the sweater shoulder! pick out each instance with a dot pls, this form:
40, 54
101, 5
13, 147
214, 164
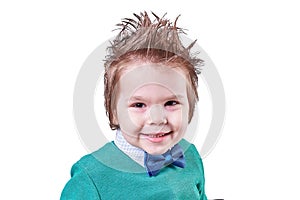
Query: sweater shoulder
108, 159
92, 161
189, 148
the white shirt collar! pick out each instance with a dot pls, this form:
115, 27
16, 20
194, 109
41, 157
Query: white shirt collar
133, 152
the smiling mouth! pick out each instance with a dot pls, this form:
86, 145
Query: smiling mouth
157, 135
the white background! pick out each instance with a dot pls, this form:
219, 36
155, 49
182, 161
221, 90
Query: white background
254, 45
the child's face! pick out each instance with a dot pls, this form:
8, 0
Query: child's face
152, 106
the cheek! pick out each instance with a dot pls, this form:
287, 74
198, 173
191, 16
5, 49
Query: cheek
175, 118
136, 118
129, 121
123, 116
178, 119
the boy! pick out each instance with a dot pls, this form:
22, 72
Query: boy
150, 94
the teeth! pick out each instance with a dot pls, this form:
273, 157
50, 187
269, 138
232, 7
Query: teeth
156, 136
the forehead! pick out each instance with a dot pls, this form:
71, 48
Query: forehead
136, 76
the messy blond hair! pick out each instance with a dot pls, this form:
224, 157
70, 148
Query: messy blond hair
153, 41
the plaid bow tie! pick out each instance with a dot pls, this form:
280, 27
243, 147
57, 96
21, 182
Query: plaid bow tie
154, 163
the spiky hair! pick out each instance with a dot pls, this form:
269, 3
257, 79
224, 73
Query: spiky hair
142, 33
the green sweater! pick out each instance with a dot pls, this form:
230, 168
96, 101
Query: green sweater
109, 174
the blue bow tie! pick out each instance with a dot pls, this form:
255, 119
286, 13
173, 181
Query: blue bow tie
154, 163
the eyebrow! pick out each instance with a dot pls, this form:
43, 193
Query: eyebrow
141, 98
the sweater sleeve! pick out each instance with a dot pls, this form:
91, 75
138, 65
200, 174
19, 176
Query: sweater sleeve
201, 190
80, 186
201, 184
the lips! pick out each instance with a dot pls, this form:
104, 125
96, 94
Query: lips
157, 135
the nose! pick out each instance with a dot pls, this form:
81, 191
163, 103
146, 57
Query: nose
156, 115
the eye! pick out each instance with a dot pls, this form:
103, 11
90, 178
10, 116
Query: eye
138, 105
171, 103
